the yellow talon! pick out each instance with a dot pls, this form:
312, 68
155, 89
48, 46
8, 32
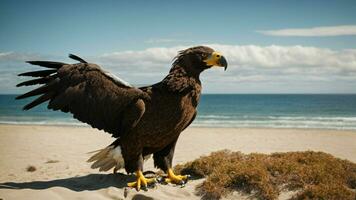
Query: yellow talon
176, 179
141, 180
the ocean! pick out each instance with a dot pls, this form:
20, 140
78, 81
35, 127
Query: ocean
320, 111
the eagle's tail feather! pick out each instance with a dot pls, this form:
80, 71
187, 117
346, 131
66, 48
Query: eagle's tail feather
108, 165
101, 162
99, 154
107, 158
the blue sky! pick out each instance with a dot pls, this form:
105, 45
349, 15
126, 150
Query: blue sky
272, 46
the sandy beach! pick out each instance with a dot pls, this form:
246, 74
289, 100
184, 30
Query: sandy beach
59, 156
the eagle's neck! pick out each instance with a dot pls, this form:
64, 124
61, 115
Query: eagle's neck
181, 81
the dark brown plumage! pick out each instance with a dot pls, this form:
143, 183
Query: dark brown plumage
145, 120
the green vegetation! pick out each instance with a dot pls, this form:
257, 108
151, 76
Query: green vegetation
314, 175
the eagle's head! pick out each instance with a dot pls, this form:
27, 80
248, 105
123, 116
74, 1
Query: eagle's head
197, 59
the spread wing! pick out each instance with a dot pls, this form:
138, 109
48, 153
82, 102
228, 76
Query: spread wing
92, 95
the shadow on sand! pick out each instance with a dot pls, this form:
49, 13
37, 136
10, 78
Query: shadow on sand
80, 183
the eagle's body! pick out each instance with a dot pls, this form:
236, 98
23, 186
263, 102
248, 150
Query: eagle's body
145, 120
167, 113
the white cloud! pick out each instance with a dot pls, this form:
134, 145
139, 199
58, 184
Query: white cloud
148, 56
13, 56
288, 56
250, 67
314, 31
246, 57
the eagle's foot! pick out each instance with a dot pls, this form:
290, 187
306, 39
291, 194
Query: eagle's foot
141, 181
176, 179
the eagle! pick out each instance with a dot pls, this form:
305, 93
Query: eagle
144, 120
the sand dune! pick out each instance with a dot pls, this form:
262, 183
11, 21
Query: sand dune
59, 154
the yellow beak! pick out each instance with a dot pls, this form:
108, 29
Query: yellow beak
216, 59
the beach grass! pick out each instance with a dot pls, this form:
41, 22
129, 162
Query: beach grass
312, 175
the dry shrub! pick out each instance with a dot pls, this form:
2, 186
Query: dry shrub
316, 175
206, 164
330, 191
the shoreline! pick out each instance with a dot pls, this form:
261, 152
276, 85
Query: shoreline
190, 127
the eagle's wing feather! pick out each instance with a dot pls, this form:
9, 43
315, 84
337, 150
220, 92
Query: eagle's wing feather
191, 121
90, 94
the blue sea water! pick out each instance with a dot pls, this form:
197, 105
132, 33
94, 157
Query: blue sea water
227, 110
